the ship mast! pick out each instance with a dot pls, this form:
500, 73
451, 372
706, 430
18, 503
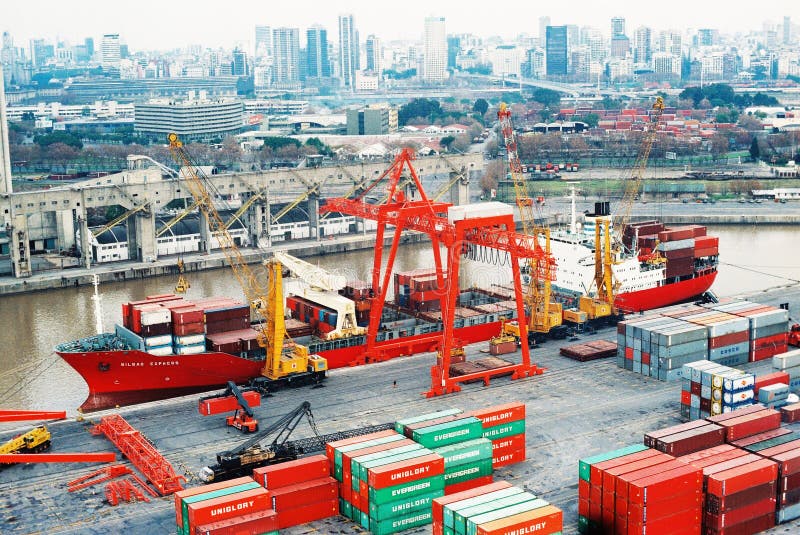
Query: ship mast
98, 305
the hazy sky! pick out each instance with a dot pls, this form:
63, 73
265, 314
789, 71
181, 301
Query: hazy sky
164, 24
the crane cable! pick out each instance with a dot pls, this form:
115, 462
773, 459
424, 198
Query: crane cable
760, 272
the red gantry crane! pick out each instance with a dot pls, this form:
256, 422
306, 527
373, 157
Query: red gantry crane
456, 228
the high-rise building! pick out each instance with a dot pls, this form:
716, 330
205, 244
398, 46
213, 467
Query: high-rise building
286, 49
348, 50
556, 50
110, 52
41, 51
593, 38
617, 27
89, 44
435, 44
239, 65
670, 42
620, 46
453, 49
5, 157
374, 54
707, 37
787, 30
544, 22
263, 42
317, 64
643, 45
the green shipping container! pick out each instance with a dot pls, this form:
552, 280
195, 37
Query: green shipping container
585, 464
406, 490
404, 507
460, 517
363, 468
504, 430
400, 425
777, 441
450, 509
401, 523
364, 519
449, 432
474, 521
337, 453
184, 530
465, 472
345, 508
355, 461
465, 452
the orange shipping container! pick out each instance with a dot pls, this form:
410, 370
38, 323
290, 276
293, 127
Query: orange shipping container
297, 471
387, 475
499, 414
330, 446
543, 521
224, 507
261, 522
439, 503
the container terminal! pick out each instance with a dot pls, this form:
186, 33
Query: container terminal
574, 410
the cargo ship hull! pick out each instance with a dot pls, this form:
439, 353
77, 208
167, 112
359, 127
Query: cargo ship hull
127, 377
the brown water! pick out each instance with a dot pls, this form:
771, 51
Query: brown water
33, 377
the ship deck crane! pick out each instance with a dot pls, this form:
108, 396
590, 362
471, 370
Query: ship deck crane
254, 454
545, 316
452, 227
286, 363
322, 290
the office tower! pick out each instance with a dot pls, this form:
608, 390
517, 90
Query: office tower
110, 51
317, 64
617, 26
239, 66
643, 45
263, 42
556, 50
435, 45
286, 49
374, 54
348, 50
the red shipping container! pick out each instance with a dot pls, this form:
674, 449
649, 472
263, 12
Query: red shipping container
583, 507
188, 314
224, 507
756, 407
194, 491
782, 448
737, 516
788, 462
751, 424
728, 339
688, 520
512, 443
706, 241
499, 414
722, 504
612, 475
742, 477
330, 446
713, 460
469, 484
692, 440
776, 340
543, 521
652, 437
307, 513
405, 471
747, 527
665, 484
641, 514
212, 406
507, 458
583, 489
709, 452
760, 437
262, 522
188, 328
305, 493
597, 470
686, 398
288, 473
439, 503
790, 413
617, 498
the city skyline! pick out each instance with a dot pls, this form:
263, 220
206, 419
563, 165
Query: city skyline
160, 26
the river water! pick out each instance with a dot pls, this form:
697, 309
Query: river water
752, 259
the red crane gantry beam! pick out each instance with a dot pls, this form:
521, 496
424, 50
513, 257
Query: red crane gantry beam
141, 453
21, 416
496, 232
100, 457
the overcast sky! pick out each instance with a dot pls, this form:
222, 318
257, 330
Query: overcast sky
164, 24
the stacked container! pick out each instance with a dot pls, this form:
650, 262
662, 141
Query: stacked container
768, 327
361, 294
787, 457
504, 425
728, 336
216, 507
643, 233
417, 290
321, 318
708, 389
300, 491
495, 509
789, 363
774, 396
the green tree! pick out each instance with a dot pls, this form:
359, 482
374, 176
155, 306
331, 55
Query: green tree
591, 119
481, 106
429, 109
446, 141
28, 116
547, 97
319, 146
45, 140
755, 151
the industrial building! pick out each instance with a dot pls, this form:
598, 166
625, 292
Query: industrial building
376, 119
200, 119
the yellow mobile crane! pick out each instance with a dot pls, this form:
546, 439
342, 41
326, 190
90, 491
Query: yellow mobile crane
285, 361
34, 441
545, 316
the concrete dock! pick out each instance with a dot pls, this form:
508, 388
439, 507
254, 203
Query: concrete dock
573, 410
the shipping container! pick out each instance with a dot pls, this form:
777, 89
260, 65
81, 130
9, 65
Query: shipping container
307, 513
290, 472
204, 489
262, 523
224, 507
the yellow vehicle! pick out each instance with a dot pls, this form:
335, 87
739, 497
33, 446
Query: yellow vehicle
34, 441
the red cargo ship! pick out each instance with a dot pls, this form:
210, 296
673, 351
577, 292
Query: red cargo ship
211, 342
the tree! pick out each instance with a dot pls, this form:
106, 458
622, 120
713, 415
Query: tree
755, 151
419, 107
495, 171
320, 147
591, 119
28, 116
547, 97
480, 106
446, 141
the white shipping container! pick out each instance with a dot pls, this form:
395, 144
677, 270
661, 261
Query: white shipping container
190, 339
162, 351
156, 341
153, 317
787, 360
675, 245
190, 350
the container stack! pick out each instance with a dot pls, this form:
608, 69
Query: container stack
220, 507
708, 389
677, 245
789, 363
300, 491
596, 349
639, 490
643, 235
728, 336
417, 290
361, 294
504, 425
494, 509
188, 328
321, 318
768, 327
392, 480
787, 457
774, 396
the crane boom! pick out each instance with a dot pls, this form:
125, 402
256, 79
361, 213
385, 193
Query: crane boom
313, 275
